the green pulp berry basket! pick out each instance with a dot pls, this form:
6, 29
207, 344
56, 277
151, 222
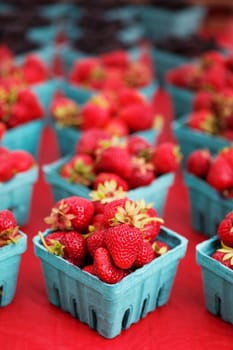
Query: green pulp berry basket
217, 280
10, 257
16, 194
208, 207
155, 193
111, 308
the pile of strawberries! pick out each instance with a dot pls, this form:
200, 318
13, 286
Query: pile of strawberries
108, 241
13, 162
130, 163
9, 230
224, 254
112, 71
119, 112
216, 170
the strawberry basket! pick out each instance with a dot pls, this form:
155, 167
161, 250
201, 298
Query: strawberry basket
217, 280
156, 192
208, 207
107, 308
16, 194
10, 256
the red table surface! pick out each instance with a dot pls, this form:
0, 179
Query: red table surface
31, 322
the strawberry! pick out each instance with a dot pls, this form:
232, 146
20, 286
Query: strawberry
105, 269
103, 176
90, 139
117, 127
198, 162
224, 257
151, 228
115, 159
2, 130
94, 116
166, 158
65, 111
160, 247
89, 268
137, 75
22, 160
88, 72
110, 210
145, 255
220, 175
214, 78
137, 116
140, 147
34, 69
202, 100
225, 230
123, 243
71, 213
129, 96
8, 227
118, 58
75, 249
79, 169
54, 236
6, 166
142, 173
203, 120
95, 240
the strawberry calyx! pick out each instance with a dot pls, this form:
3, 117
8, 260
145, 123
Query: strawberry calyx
9, 235
60, 217
228, 252
55, 246
158, 249
81, 173
107, 192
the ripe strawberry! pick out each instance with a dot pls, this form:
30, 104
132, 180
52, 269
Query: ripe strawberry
166, 158
203, 120
145, 255
214, 78
129, 96
137, 116
71, 213
115, 159
87, 71
110, 210
94, 116
225, 230
105, 269
151, 229
225, 258
8, 227
6, 166
118, 58
22, 160
123, 243
2, 130
117, 127
142, 173
198, 162
75, 249
138, 75
220, 175
95, 240
52, 242
202, 100
89, 268
140, 147
104, 176
65, 111
160, 247
34, 69
54, 236
90, 139
79, 169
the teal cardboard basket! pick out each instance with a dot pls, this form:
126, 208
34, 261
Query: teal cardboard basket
111, 308
208, 207
182, 99
160, 22
10, 257
155, 193
217, 280
190, 139
16, 194
26, 137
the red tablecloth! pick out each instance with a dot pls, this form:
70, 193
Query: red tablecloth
30, 322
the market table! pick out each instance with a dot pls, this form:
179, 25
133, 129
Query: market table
31, 322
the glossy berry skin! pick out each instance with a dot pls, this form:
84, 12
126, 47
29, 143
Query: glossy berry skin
7, 220
105, 269
75, 249
198, 162
166, 158
220, 174
123, 243
225, 230
95, 240
145, 255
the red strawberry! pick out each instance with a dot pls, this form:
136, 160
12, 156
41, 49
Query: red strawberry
6, 166
151, 229
137, 116
31, 101
145, 255
138, 75
79, 169
54, 236
65, 111
202, 100
142, 173
105, 269
34, 69
115, 159
214, 78
198, 162
22, 160
220, 175
75, 249
225, 258
123, 243
95, 240
87, 71
117, 127
94, 116
225, 230
166, 158
138, 146
89, 268
90, 140
203, 120
103, 176
8, 227
2, 130
128, 96
118, 58
111, 208
71, 213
